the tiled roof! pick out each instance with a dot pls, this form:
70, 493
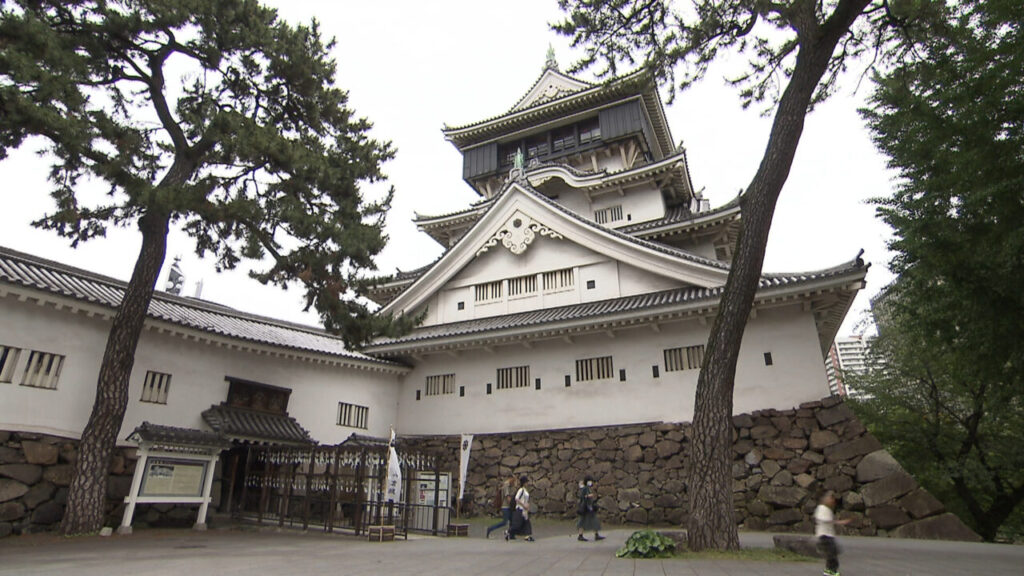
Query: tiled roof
595, 310
254, 425
476, 207
639, 241
402, 280
158, 434
34, 272
624, 86
519, 102
679, 215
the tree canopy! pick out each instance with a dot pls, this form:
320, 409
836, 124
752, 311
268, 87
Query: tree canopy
949, 400
215, 114
796, 52
215, 117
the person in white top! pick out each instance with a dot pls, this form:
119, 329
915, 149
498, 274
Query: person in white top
521, 516
824, 529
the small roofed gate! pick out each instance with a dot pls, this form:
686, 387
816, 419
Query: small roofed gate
334, 487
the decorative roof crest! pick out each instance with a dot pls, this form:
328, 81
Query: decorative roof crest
550, 63
518, 233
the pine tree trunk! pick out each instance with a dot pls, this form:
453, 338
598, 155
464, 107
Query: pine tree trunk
87, 494
711, 524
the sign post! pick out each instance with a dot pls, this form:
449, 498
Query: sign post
175, 467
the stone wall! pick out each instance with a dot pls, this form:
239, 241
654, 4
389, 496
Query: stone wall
35, 471
783, 461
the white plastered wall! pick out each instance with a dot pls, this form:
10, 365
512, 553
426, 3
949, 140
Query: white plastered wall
610, 279
796, 375
197, 370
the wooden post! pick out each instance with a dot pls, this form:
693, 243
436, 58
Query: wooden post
331, 482
310, 468
207, 488
437, 497
231, 484
129, 510
245, 477
264, 488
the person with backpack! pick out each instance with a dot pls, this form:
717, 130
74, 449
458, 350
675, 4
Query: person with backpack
520, 524
586, 510
505, 502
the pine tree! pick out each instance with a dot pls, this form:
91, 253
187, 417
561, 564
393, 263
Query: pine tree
215, 117
796, 51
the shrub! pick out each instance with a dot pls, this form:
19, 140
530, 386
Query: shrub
647, 544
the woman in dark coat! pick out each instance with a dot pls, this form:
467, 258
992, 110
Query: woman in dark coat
586, 509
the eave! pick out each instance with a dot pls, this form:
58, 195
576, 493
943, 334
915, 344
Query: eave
832, 291
637, 83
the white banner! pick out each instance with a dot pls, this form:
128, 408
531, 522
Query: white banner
467, 445
394, 487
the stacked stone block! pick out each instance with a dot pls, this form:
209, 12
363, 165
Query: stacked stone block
35, 472
783, 461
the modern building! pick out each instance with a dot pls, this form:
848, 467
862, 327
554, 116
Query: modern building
846, 356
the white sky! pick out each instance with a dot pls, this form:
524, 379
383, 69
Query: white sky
411, 67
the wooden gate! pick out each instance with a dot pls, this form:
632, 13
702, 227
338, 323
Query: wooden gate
333, 487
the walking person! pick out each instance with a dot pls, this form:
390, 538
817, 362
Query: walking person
586, 510
506, 491
824, 529
521, 515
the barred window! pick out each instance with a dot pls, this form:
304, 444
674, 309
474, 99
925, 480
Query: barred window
522, 285
42, 370
8, 359
610, 214
155, 387
440, 384
688, 358
590, 131
352, 415
594, 368
488, 292
559, 280
513, 377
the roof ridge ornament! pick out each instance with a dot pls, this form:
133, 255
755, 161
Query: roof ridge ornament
550, 63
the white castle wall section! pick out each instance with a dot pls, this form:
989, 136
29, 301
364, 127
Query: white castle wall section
610, 279
639, 204
197, 370
787, 333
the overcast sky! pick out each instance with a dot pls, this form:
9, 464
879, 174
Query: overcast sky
412, 67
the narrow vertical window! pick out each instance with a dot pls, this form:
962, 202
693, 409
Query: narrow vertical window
155, 387
688, 358
599, 368
489, 292
8, 359
353, 416
440, 384
513, 377
42, 370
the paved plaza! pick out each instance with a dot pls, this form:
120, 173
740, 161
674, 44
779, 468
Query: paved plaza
269, 552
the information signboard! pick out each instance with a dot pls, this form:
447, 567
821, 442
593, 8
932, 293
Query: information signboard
167, 477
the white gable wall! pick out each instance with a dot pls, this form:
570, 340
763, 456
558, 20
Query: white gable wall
788, 333
197, 372
611, 279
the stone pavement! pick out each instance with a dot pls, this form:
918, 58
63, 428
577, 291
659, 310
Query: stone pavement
268, 552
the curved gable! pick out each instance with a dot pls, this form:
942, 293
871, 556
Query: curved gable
521, 215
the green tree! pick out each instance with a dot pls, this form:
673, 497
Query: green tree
250, 148
949, 404
796, 51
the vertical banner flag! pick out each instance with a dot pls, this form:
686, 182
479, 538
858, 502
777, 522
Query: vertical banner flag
467, 445
394, 490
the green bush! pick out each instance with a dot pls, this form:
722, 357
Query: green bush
647, 544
